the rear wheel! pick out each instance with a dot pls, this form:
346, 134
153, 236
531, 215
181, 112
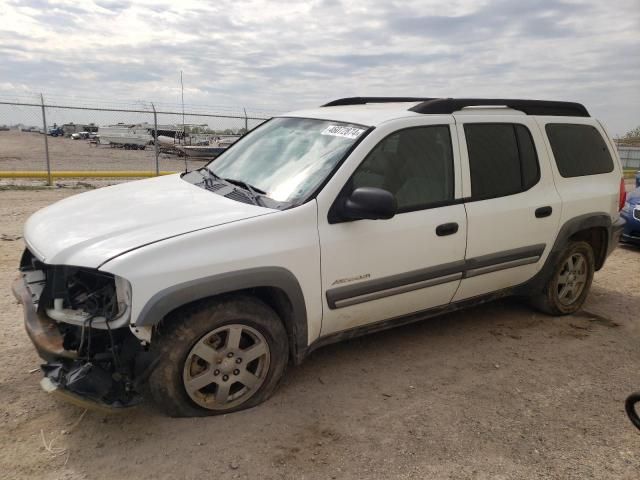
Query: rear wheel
218, 357
568, 287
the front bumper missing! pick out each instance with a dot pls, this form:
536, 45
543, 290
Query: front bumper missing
87, 385
68, 396
76, 381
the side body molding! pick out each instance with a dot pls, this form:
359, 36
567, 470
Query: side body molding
181, 294
406, 282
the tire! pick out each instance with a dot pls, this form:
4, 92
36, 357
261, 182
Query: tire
567, 289
198, 369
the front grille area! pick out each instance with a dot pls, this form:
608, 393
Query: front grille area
636, 214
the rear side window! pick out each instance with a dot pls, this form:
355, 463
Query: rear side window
502, 159
579, 150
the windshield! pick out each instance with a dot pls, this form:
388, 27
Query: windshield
287, 158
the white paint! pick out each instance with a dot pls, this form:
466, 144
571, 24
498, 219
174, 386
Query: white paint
88, 229
159, 232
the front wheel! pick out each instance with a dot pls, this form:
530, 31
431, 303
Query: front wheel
218, 357
568, 287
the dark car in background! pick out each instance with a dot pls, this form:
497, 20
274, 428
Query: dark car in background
631, 213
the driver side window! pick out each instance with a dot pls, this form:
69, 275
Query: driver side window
414, 164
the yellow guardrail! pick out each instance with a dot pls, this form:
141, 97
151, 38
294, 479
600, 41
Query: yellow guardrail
82, 174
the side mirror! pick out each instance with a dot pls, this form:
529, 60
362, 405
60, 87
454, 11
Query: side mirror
369, 203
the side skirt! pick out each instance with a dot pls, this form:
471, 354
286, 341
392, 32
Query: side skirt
402, 320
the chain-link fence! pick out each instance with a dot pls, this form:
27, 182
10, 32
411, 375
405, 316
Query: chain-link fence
50, 138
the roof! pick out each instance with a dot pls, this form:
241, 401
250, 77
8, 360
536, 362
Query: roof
369, 114
376, 110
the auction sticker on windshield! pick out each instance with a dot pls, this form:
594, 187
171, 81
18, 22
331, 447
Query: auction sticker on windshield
340, 131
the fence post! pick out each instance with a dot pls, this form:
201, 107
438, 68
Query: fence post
155, 138
46, 141
246, 121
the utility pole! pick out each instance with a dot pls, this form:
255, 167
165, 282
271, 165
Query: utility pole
46, 142
155, 138
184, 132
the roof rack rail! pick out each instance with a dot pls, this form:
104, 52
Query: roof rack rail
450, 105
530, 107
365, 100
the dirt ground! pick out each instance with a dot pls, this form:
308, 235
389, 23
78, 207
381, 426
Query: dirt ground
25, 151
497, 391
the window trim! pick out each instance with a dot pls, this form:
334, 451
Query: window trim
593, 127
479, 198
332, 216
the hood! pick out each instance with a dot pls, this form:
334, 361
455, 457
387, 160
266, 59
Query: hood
90, 228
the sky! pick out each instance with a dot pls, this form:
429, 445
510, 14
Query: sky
278, 56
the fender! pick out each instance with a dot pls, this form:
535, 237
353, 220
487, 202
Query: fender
181, 294
576, 224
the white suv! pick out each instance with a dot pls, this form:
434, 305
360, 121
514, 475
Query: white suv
199, 288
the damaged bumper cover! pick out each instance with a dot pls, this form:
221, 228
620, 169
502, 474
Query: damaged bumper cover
80, 381
87, 385
42, 331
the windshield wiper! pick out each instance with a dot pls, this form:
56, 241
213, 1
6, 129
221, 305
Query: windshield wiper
216, 177
248, 187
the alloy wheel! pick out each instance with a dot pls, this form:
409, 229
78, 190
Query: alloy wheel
226, 366
572, 279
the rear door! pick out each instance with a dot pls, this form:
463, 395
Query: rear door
512, 205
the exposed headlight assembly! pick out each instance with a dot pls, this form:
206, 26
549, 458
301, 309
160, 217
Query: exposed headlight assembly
81, 296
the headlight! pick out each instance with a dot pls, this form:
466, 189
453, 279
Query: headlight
123, 292
79, 295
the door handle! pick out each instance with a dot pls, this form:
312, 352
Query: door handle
543, 212
446, 229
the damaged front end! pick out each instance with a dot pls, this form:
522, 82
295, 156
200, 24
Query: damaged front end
78, 320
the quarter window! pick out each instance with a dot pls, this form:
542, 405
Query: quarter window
579, 150
502, 159
415, 164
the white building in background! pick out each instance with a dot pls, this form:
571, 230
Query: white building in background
629, 155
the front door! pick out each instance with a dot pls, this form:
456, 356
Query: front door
374, 270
